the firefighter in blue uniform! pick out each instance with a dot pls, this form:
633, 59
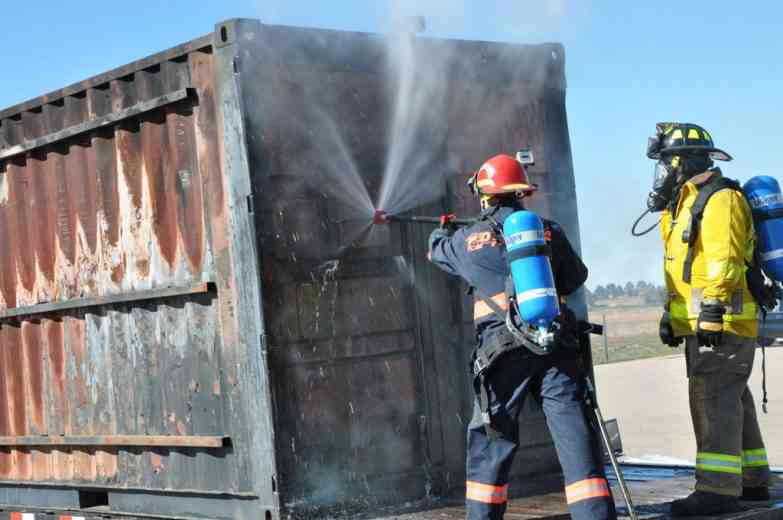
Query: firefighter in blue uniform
477, 254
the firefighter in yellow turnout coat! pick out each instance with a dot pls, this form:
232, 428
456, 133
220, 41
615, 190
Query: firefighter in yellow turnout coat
710, 306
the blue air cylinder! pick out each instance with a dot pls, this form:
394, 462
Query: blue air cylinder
763, 193
531, 269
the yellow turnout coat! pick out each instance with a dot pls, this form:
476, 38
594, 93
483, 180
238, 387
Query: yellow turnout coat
722, 251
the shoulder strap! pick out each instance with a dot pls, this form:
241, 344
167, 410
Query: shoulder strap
497, 229
499, 312
697, 212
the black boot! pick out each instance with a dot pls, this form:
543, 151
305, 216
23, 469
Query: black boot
755, 493
701, 503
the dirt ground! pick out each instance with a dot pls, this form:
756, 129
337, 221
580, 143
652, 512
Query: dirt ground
631, 333
628, 321
649, 398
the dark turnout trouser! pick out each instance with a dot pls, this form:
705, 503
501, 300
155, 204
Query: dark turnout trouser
730, 449
558, 382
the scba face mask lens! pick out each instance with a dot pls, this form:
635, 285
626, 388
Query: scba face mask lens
663, 186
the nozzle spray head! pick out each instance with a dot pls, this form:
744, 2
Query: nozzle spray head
380, 217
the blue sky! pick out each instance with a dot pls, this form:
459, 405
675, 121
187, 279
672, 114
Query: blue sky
629, 65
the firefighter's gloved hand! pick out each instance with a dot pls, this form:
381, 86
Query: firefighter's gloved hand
438, 234
666, 332
567, 319
709, 328
447, 223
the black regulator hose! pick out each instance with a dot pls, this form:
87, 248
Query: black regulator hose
635, 224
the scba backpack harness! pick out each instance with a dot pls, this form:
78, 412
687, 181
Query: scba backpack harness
766, 293
517, 334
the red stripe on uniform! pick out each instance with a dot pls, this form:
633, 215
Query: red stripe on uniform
587, 489
486, 493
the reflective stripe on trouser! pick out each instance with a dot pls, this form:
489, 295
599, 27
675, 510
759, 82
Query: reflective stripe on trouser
486, 493
587, 489
730, 449
489, 460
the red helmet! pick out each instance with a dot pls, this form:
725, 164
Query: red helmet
501, 174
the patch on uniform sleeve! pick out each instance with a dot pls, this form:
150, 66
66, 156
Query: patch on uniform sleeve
476, 241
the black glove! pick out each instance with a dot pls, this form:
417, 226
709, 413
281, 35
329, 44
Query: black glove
567, 319
666, 332
709, 328
569, 333
446, 229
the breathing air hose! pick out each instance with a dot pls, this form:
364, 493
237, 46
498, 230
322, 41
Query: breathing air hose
635, 224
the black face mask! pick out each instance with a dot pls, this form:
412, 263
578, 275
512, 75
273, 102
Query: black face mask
664, 182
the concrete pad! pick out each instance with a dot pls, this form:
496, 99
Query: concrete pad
649, 398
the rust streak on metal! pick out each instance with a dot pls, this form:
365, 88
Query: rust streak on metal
128, 145
15, 396
15, 371
159, 441
5, 421
32, 122
78, 196
157, 462
43, 213
8, 251
88, 198
128, 148
66, 217
34, 379
54, 329
157, 167
19, 198
160, 170
107, 464
40, 465
106, 165
79, 392
78, 373
60, 407
206, 134
33, 361
78, 181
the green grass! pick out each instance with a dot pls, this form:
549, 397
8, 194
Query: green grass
629, 347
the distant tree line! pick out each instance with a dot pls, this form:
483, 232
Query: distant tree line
651, 294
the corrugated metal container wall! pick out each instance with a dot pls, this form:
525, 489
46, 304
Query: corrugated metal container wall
123, 376
138, 311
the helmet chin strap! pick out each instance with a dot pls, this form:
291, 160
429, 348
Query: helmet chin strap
490, 201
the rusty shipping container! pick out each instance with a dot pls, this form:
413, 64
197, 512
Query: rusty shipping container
189, 327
